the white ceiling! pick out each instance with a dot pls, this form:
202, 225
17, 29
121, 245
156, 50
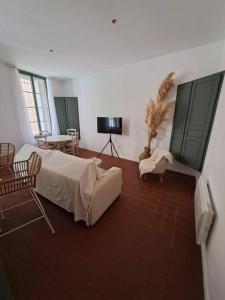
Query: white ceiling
85, 41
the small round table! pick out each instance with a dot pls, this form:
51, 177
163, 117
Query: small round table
58, 140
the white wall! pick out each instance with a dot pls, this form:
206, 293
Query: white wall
68, 88
124, 92
63, 88
57, 87
214, 172
52, 86
9, 123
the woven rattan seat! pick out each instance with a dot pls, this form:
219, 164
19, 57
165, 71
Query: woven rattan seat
7, 152
16, 176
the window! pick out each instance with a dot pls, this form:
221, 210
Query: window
35, 92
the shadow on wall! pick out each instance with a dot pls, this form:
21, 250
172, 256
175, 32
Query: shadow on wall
162, 131
160, 136
126, 124
125, 132
181, 78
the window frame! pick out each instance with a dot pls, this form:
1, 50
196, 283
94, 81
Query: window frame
32, 76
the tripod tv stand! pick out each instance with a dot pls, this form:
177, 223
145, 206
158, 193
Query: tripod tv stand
112, 146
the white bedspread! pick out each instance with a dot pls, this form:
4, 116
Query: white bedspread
76, 185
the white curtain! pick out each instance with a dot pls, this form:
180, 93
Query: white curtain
55, 125
42, 101
25, 127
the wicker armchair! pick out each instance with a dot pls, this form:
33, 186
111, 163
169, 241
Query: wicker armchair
18, 176
7, 152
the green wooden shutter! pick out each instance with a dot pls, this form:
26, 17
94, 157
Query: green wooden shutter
61, 114
72, 113
203, 101
180, 117
67, 113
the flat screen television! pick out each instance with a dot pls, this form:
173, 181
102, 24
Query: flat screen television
109, 125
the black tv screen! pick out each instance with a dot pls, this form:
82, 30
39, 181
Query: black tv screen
109, 125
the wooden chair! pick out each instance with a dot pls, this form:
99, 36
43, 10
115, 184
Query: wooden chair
18, 176
73, 146
42, 142
7, 153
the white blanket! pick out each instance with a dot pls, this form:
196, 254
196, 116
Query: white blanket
76, 185
148, 165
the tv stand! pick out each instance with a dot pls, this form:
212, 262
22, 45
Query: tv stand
112, 146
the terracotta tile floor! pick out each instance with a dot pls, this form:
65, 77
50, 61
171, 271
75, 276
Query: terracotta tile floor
143, 247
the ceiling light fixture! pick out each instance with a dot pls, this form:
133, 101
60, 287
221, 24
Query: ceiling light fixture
114, 21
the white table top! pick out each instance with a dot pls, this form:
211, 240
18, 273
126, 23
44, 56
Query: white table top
59, 138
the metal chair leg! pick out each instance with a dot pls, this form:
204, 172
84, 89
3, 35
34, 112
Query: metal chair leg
2, 217
38, 202
144, 177
1, 212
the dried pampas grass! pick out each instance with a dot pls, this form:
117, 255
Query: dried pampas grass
157, 111
165, 87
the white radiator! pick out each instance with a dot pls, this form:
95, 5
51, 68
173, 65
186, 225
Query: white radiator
203, 211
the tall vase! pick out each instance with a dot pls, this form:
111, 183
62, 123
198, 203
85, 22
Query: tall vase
145, 154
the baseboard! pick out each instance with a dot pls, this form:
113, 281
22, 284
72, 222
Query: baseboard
205, 273
181, 168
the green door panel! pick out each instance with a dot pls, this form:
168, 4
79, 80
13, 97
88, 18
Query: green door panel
203, 101
61, 114
191, 153
179, 120
72, 113
67, 113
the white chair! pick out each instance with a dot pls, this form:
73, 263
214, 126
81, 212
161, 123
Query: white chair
73, 146
156, 164
42, 142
